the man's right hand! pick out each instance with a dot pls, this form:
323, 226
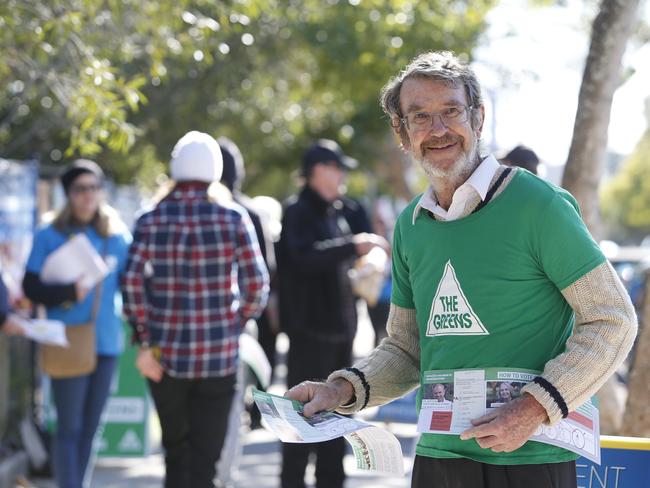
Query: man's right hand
148, 365
318, 396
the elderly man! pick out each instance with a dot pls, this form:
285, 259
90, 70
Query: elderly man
492, 267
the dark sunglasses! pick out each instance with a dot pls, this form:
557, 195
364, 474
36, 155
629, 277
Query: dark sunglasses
79, 189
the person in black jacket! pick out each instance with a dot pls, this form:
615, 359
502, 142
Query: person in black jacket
233, 178
317, 307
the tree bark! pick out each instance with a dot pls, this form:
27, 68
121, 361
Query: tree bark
636, 421
610, 32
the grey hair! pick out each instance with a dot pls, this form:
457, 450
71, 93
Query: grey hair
434, 65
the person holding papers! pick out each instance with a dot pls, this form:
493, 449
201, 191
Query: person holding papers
493, 268
80, 400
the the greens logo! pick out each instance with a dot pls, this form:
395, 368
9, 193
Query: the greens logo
451, 313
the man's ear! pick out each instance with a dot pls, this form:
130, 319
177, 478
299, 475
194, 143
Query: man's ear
480, 119
400, 131
403, 138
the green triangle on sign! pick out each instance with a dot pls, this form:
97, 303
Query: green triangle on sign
451, 313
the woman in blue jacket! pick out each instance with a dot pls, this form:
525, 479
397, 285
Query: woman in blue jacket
80, 400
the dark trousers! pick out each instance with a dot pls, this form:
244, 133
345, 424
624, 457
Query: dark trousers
193, 416
310, 359
465, 473
267, 337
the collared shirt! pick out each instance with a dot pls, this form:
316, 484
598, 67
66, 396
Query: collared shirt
206, 278
477, 183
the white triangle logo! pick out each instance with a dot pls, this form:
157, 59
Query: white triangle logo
130, 442
451, 313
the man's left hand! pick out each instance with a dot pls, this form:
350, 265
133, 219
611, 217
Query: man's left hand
508, 427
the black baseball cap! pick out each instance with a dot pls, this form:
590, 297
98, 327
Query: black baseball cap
324, 150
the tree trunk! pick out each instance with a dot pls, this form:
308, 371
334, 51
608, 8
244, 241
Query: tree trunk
610, 32
636, 421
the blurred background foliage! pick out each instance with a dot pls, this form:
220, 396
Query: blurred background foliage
625, 198
121, 80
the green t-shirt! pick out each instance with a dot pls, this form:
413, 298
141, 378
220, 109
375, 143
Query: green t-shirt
494, 280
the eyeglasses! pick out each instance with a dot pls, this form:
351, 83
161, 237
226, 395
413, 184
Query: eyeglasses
79, 189
418, 121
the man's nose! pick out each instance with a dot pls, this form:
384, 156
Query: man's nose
437, 124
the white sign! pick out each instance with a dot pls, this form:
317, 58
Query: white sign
126, 410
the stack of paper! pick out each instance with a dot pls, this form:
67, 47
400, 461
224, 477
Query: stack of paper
75, 260
44, 331
374, 449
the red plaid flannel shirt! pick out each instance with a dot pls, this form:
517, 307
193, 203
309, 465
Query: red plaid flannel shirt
194, 275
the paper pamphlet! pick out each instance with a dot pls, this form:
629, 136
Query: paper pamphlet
374, 449
450, 399
44, 331
75, 259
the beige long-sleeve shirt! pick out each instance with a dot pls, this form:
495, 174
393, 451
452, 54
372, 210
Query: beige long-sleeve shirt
604, 331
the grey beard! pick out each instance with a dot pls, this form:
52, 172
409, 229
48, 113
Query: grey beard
454, 172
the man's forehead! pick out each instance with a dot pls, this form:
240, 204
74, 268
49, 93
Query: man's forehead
420, 93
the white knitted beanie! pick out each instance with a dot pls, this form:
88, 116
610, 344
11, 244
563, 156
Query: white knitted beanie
196, 157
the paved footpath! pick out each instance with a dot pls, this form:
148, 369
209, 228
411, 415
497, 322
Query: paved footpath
259, 467
260, 463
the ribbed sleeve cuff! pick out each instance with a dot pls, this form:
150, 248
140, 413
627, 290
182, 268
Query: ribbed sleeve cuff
360, 396
547, 400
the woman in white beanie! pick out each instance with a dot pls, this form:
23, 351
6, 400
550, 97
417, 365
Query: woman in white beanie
204, 278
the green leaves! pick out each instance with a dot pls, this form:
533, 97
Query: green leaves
124, 77
625, 200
